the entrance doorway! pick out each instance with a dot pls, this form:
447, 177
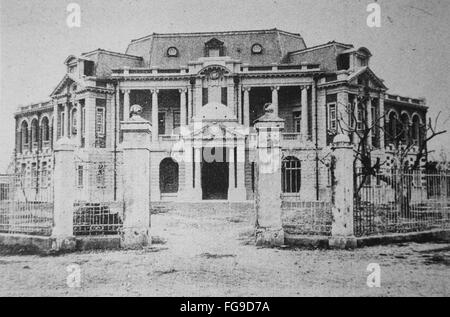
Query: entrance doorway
215, 176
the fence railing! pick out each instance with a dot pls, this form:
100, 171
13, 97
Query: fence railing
26, 205
395, 201
98, 206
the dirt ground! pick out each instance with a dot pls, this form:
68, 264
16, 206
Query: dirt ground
212, 254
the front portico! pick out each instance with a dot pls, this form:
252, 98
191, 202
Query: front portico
214, 158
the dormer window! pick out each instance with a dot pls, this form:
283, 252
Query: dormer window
172, 52
257, 49
214, 48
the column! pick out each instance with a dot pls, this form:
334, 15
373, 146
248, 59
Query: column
64, 183
117, 116
189, 104
239, 104
198, 172
79, 124
136, 177
66, 120
275, 99
183, 107
314, 112
231, 171
198, 104
55, 121
381, 123
240, 174
246, 118
304, 118
230, 95
369, 122
126, 105
155, 119
342, 235
89, 138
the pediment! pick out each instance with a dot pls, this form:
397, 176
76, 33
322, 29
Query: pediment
365, 76
217, 131
66, 85
214, 43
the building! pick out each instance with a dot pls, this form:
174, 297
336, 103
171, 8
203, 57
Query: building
202, 93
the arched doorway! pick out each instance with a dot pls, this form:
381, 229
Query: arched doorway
168, 176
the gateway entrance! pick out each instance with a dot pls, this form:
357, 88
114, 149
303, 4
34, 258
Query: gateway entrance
215, 174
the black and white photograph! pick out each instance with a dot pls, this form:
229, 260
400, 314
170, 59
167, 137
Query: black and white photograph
223, 154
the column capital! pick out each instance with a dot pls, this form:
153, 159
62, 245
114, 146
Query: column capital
305, 87
246, 88
275, 88
183, 90
125, 91
154, 91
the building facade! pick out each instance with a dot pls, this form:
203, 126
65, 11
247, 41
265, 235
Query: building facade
202, 93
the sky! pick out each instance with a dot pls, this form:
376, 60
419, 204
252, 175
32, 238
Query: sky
411, 49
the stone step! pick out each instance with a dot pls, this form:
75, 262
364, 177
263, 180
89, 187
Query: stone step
205, 207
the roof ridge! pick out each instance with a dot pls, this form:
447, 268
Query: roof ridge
320, 46
212, 33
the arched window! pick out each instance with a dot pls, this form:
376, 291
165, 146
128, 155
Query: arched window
391, 134
34, 131
45, 126
404, 124
415, 133
24, 133
291, 175
168, 176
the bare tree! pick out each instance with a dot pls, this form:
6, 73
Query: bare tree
353, 122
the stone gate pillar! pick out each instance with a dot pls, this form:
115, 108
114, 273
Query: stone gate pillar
136, 177
63, 200
269, 231
342, 235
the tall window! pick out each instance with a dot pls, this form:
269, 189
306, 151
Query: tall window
80, 176
376, 128
224, 95
297, 121
359, 117
415, 133
24, 133
332, 117
162, 123
73, 122
100, 121
61, 123
204, 96
45, 129
101, 175
176, 119
44, 175
34, 131
34, 180
291, 175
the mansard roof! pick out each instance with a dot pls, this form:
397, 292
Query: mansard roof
324, 54
276, 45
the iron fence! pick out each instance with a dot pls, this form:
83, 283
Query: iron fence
394, 201
26, 204
98, 206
